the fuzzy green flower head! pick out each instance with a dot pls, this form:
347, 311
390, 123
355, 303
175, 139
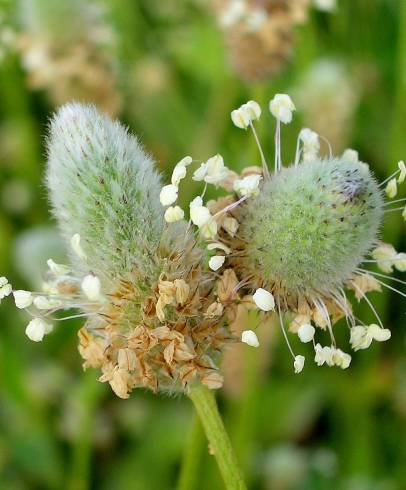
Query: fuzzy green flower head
312, 225
104, 187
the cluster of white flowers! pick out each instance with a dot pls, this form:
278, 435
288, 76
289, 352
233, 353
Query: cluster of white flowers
169, 193
212, 172
331, 356
281, 107
53, 297
244, 115
37, 328
363, 335
201, 217
248, 186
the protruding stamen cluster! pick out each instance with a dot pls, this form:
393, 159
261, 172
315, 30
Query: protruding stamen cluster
62, 290
304, 231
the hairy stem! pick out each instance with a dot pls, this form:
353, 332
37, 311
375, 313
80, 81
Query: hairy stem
206, 408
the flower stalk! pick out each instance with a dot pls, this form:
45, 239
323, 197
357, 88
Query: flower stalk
193, 449
206, 408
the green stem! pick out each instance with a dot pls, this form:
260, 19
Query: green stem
88, 394
191, 456
206, 407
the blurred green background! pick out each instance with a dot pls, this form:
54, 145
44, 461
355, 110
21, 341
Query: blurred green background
163, 68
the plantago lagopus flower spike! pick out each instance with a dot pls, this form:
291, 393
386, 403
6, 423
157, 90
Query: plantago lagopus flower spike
159, 286
104, 189
259, 34
69, 60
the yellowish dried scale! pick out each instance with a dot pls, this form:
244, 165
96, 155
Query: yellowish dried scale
179, 338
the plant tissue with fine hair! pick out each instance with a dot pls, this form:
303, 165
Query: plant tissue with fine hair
104, 187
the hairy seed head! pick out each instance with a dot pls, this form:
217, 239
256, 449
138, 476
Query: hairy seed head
312, 225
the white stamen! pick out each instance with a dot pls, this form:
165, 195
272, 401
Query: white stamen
44, 303
58, 269
306, 332
264, 300
298, 364
76, 247
282, 107
37, 329
212, 172
391, 188
311, 144
248, 186
216, 262
173, 214
250, 338
91, 287
402, 175
219, 246
23, 299
168, 194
